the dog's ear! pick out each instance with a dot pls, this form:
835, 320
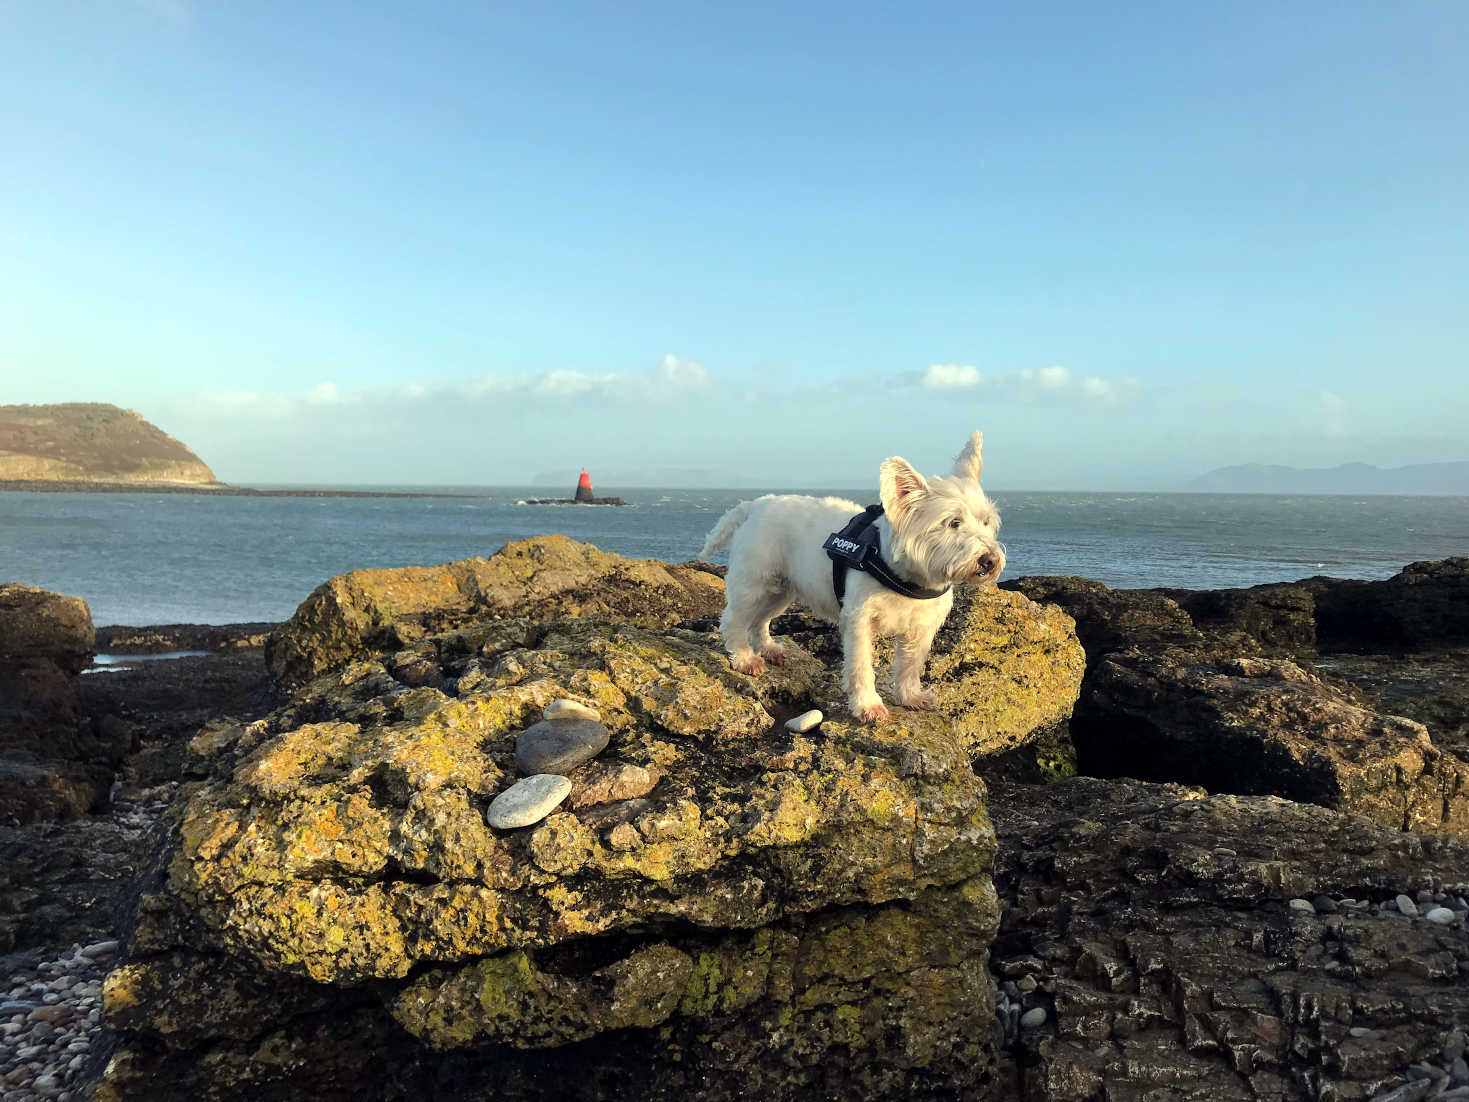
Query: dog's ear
899, 485
971, 459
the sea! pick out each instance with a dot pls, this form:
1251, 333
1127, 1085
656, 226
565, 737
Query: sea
145, 558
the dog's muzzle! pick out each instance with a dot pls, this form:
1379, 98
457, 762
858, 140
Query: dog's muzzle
988, 568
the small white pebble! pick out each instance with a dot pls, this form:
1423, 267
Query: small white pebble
805, 721
1442, 915
1302, 905
1406, 905
1035, 1016
571, 709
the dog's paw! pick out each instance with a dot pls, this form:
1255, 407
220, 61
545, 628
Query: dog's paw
776, 656
753, 665
871, 713
922, 699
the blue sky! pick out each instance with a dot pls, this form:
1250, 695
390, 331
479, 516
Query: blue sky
749, 244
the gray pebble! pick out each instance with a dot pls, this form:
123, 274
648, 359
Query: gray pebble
558, 745
1459, 1071
1303, 906
1406, 906
1442, 915
100, 949
528, 801
1035, 1016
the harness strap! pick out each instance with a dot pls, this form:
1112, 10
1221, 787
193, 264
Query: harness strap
858, 546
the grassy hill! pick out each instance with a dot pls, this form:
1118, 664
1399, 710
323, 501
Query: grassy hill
92, 442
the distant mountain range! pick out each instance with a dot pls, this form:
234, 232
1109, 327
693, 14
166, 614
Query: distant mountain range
92, 442
1349, 478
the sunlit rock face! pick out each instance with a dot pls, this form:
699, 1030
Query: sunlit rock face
720, 908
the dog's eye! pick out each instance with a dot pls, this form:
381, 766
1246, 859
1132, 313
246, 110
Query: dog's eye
954, 523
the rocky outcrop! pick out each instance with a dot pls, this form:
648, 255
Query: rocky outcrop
1187, 946
372, 610
1424, 607
767, 914
1178, 689
1260, 726
54, 759
92, 442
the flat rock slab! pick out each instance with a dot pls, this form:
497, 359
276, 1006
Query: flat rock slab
558, 745
528, 801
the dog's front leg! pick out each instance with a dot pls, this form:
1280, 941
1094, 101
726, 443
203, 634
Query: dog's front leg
911, 654
857, 675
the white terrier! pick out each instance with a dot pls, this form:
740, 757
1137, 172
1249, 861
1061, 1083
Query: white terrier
933, 533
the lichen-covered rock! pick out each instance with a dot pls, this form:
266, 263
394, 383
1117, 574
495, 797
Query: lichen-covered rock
1152, 923
806, 912
367, 611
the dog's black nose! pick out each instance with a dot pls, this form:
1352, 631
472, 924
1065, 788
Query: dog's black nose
987, 563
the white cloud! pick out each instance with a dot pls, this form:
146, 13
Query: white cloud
1045, 378
324, 394
672, 377
1030, 384
951, 377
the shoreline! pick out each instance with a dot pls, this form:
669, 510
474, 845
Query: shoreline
209, 489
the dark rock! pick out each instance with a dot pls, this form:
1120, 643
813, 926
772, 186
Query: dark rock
1112, 619
1426, 606
558, 745
54, 762
1429, 686
1281, 617
1259, 726
163, 638
1159, 914
37, 625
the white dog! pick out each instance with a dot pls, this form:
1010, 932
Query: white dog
933, 533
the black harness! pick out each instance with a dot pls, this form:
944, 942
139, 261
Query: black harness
858, 546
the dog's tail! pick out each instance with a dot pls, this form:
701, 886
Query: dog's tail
724, 531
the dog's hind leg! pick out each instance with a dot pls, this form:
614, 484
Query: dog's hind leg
775, 602
745, 625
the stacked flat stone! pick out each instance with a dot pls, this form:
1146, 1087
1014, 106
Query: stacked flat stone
569, 735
